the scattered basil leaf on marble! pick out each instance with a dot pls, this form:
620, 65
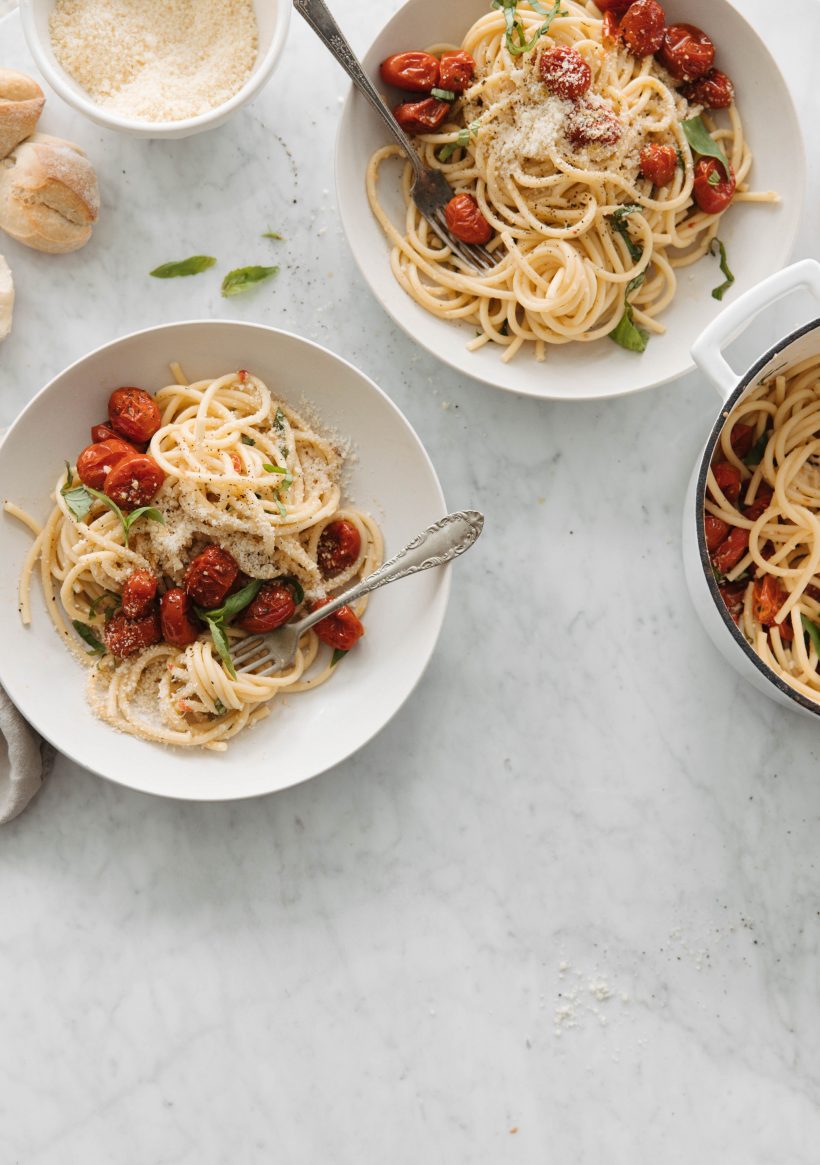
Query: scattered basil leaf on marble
337, 655
719, 292
87, 635
443, 94
755, 454
191, 266
241, 278
813, 632
702, 141
247, 440
269, 234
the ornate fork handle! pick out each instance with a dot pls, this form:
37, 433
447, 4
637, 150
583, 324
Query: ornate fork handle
321, 20
439, 543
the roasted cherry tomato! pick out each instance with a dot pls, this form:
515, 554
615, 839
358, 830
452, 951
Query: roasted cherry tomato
712, 190
421, 116
659, 163
341, 630
741, 439
104, 432
210, 575
96, 461
642, 27
124, 636
565, 72
465, 221
763, 499
733, 595
139, 593
731, 550
272, 607
619, 7
456, 71
715, 530
134, 481
686, 52
236, 462
339, 547
610, 30
728, 479
713, 90
590, 126
415, 72
768, 596
176, 614
133, 413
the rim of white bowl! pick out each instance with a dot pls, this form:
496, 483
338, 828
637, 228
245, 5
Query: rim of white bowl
59, 80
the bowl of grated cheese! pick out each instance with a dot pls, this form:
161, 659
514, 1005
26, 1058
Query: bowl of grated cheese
155, 70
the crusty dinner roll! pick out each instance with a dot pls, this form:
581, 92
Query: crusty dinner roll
49, 197
21, 103
6, 298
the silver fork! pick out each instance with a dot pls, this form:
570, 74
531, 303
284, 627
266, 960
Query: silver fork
431, 191
266, 654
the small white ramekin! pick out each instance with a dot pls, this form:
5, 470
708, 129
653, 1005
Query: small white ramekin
272, 17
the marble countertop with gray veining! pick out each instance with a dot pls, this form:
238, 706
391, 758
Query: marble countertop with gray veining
563, 909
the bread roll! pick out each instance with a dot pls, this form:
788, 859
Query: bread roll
6, 298
21, 103
49, 197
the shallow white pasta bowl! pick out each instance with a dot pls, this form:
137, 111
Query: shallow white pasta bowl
707, 353
391, 477
759, 239
272, 19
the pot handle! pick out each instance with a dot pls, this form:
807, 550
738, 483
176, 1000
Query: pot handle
707, 350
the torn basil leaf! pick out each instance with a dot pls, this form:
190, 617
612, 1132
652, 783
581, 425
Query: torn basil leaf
223, 647
78, 500
755, 454
702, 142
337, 655
247, 440
87, 635
514, 35
232, 605
269, 234
719, 292
191, 266
618, 222
627, 333
241, 278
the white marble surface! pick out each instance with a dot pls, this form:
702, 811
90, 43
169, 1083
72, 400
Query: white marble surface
563, 909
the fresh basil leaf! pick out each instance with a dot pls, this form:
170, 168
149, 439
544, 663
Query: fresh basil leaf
298, 590
276, 469
219, 707
755, 454
150, 512
337, 655
192, 266
232, 605
282, 511
269, 234
78, 500
279, 420
813, 632
515, 37
446, 152
713, 179
681, 159
87, 635
618, 222
241, 278
247, 440
223, 647
108, 599
628, 334
635, 283
703, 143
69, 478
719, 292
443, 94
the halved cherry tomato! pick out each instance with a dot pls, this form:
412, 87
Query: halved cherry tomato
139, 593
713, 90
768, 596
176, 613
134, 481
415, 72
731, 550
104, 432
610, 29
341, 630
456, 71
712, 190
421, 116
619, 7
642, 27
271, 608
715, 530
339, 546
763, 499
565, 72
741, 439
659, 163
687, 52
733, 595
210, 576
133, 413
96, 461
465, 221
236, 462
728, 479
587, 125
124, 636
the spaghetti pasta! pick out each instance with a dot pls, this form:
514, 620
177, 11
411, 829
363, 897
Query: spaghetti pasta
242, 471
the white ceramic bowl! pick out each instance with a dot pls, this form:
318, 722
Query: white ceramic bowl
272, 18
707, 353
391, 477
759, 239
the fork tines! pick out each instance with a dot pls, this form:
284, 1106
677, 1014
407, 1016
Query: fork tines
479, 258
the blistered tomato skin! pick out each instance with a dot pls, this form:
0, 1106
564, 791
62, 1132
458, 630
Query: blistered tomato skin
712, 190
271, 608
180, 626
768, 596
642, 27
659, 163
124, 636
565, 72
731, 550
465, 220
728, 481
341, 630
415, 72
456, 71
339, 546
96, 461
715, 530
421, 116
134, 414
590, 126
134, 482
687, 52
619, 7
139, 593
210, 575
714, 90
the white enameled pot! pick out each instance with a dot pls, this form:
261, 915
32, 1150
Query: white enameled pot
707, 353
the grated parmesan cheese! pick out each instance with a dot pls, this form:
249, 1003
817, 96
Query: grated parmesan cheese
154, 60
